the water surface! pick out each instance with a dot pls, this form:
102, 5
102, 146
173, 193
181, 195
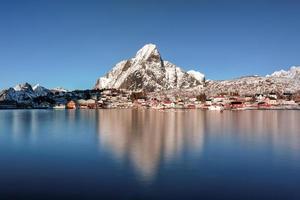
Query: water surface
146, 154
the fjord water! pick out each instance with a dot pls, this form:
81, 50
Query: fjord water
146, 154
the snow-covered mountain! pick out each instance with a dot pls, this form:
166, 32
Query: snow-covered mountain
147, 71
280, 81
23, 93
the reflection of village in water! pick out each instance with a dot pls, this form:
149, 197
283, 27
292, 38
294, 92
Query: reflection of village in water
149, 139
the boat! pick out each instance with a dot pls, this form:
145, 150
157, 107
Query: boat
216, 107
60, 106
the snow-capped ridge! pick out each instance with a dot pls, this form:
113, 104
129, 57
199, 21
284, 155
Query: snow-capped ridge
293, 72
40, 90
35, 87
23, 93
23, 86
59, 89
279, 81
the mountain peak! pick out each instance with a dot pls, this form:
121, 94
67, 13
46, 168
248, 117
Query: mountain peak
36, 86
146, 52
22, 86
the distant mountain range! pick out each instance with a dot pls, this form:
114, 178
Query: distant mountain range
280, 82
24, 93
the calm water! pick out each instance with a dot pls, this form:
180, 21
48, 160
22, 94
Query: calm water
131, 154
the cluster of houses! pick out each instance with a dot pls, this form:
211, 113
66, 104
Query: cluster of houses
123, 99
223, 102
105, 99
258, 101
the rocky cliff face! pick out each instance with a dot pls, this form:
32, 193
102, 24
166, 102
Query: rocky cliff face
148, 72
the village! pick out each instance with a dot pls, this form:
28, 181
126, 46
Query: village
119, 99
114, 99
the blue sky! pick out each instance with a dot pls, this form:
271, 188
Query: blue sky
71, 43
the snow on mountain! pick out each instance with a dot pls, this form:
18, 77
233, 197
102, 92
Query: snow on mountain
40, 90
147, 71
23, 93
147, 51
59, 89
293, 72
197, 75
20, 93
36, 87
8, 95
177, 78
279, 81
23, 87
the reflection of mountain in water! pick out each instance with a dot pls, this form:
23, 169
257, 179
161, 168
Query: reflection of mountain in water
150, 137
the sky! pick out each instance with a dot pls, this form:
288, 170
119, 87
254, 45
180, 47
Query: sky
70, 43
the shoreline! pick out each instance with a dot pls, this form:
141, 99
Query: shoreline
163, 109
